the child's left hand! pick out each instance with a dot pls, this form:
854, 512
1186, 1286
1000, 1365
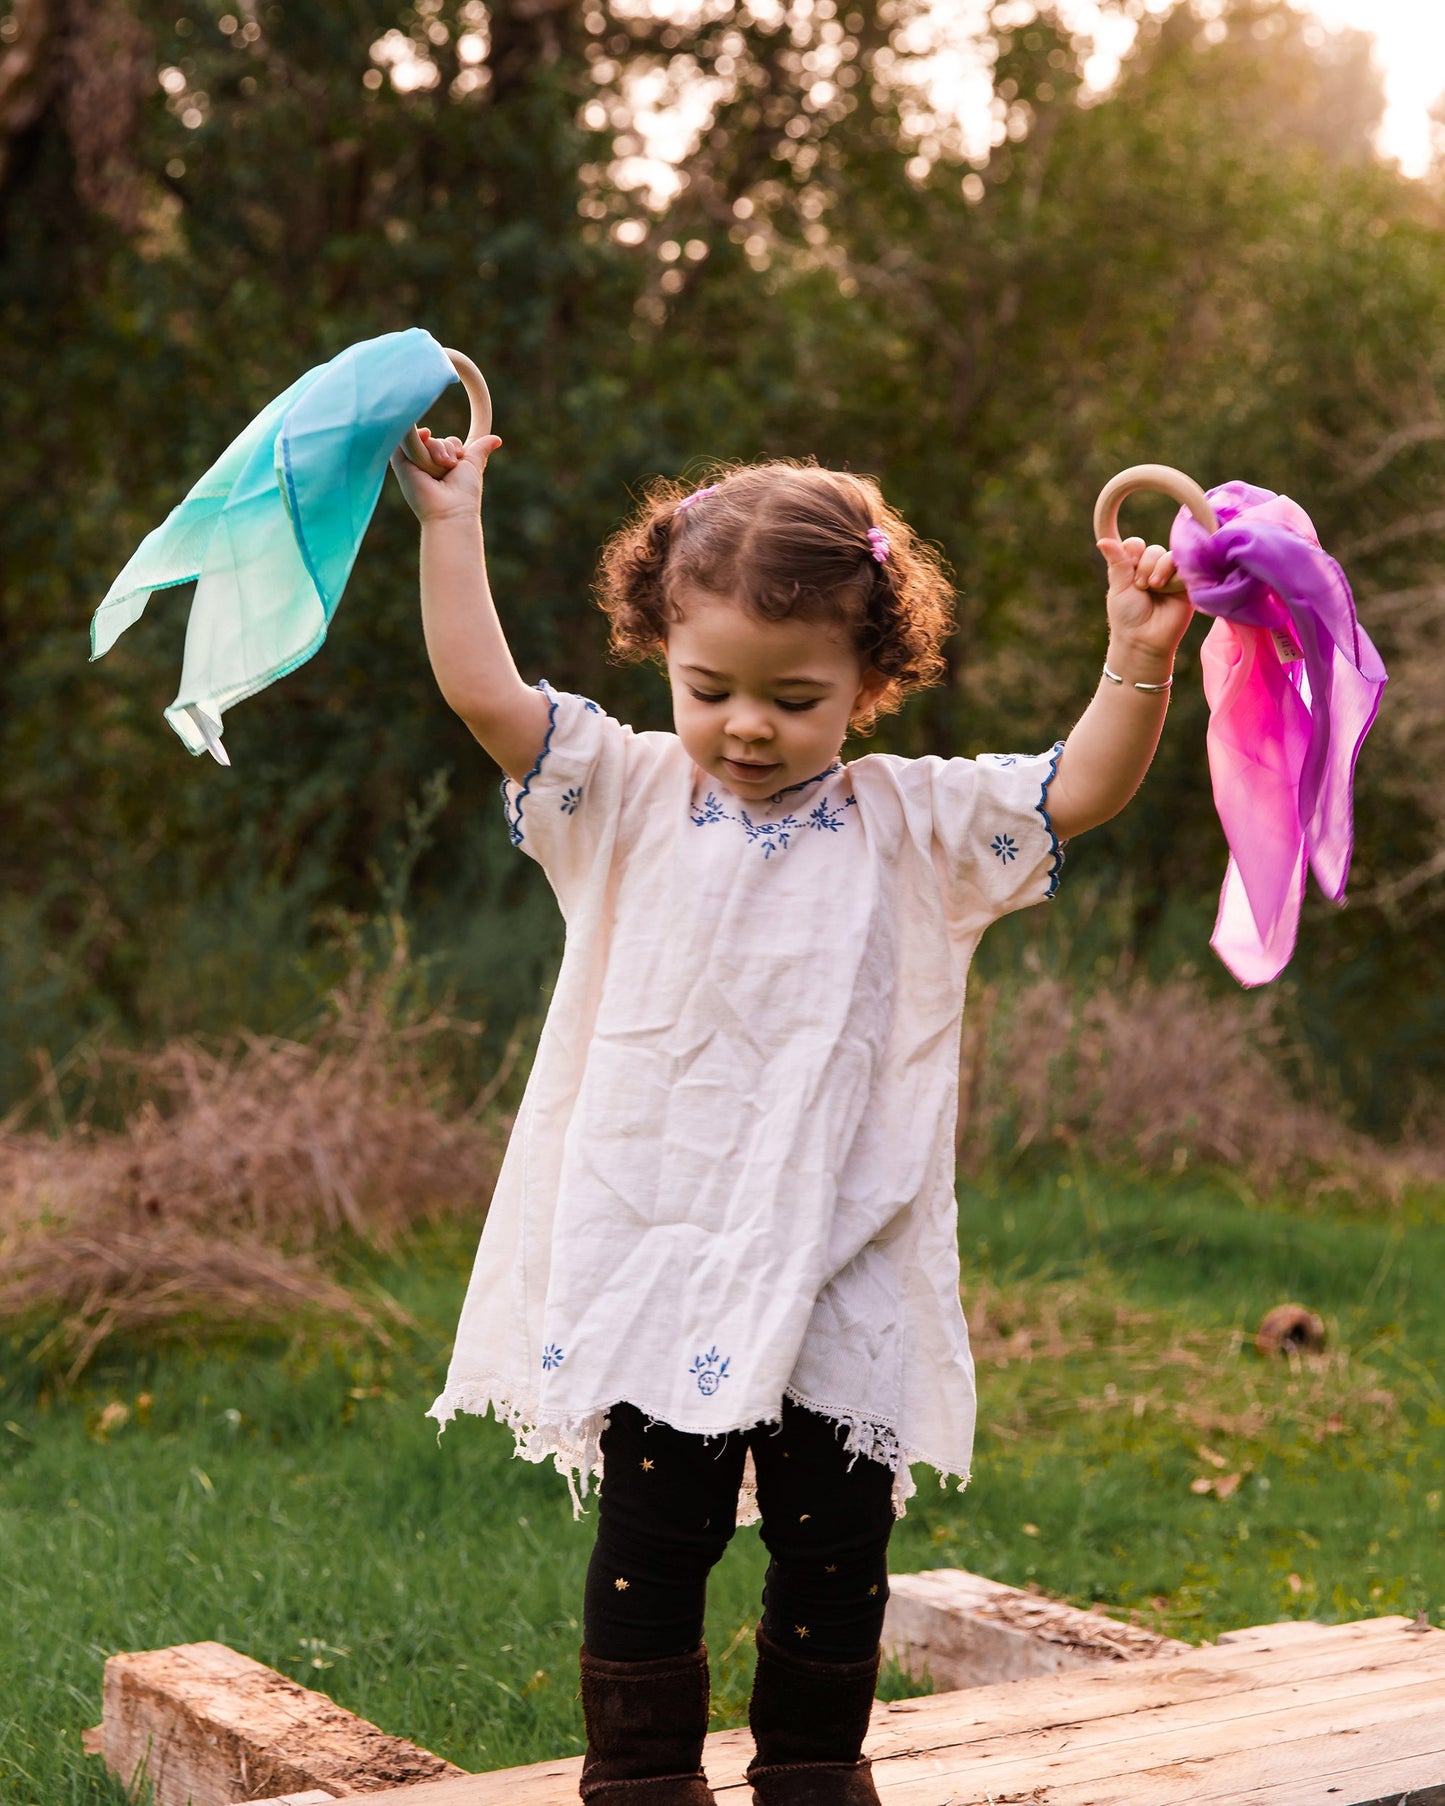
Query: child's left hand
458, 490
1138, 615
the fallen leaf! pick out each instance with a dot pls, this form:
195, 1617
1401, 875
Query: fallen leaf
111, 1418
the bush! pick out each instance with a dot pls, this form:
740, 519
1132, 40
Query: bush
235, 1161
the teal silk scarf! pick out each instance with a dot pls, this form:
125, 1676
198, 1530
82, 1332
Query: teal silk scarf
271, 531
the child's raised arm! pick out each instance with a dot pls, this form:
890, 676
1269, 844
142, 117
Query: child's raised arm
470, 658
1105, 758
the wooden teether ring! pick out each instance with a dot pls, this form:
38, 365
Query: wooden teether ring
480, 397
1169, 481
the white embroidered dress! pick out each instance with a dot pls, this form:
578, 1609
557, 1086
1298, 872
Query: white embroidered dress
731, 1178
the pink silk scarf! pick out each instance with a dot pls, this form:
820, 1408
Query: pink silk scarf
1293, 685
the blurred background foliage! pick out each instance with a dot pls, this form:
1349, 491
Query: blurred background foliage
1207, 265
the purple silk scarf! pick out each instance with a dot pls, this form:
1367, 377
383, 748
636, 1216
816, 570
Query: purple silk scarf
1293, 685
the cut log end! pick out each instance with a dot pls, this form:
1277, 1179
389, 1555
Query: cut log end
1289, 1329
207, 1726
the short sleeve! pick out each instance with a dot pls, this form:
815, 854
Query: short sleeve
991, 821
983, 822
565, 812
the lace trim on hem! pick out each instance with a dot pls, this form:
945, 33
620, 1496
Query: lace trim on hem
574, 1444
876, 1440
513, 810
1056, 846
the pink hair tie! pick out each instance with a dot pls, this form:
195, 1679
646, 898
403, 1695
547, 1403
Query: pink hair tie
878, 544
696, 496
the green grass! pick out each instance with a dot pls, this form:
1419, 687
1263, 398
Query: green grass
1337, 1512
294, 1502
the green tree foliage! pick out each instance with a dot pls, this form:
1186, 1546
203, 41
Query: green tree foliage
1206, 266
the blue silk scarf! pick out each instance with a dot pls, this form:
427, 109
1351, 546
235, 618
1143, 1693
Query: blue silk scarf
270, 532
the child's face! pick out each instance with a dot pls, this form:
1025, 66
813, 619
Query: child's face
760, 705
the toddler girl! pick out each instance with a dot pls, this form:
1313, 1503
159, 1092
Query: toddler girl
721, 1257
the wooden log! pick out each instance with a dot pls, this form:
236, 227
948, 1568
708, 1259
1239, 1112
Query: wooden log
961, 1630
207, 1726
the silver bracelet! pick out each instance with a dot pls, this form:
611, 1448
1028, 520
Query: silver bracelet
1114, 678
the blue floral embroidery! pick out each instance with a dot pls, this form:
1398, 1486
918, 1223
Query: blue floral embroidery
570, 800
1005, 847
590, 706
552, 1356
772, 836
831, 819
710, 1370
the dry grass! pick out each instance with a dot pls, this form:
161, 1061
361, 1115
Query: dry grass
239, 1163
234, 1162
1163, 1077
89, 1285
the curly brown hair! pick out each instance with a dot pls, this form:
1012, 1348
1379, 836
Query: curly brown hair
783, 539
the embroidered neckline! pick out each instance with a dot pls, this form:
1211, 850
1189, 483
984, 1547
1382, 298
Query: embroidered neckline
700, 776
773, 836
788, 789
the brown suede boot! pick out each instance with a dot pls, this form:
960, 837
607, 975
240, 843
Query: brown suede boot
645, 1726
809, 1720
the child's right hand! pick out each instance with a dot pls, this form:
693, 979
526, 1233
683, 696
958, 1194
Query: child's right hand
456, 494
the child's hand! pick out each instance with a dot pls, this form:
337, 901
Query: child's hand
459, 492
1139, 617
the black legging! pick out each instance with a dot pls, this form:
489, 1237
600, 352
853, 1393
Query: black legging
667, 1511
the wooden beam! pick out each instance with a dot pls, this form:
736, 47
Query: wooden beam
1287, 1715
961, 1630
295, 1799
207, 1726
